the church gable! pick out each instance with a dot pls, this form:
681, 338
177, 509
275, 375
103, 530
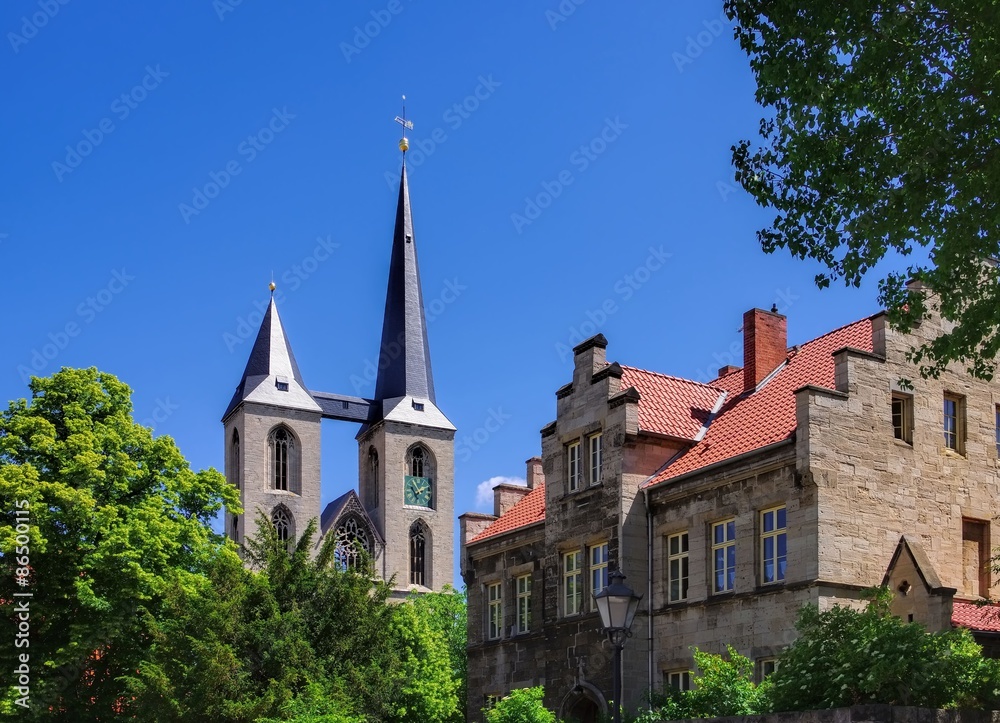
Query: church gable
355, 533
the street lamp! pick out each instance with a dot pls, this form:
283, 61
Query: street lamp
617, 604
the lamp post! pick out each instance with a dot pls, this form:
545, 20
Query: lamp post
617, 604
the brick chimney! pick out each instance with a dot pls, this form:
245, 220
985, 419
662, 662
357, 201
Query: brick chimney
506, 495
535, 476
765, 345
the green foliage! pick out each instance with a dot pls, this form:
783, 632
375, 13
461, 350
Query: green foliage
140, 612
721, 687
879, 139
848, 657
447, 612
119, 523
521, 706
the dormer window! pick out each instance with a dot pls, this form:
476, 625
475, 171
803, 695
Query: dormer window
419, 406
281, 383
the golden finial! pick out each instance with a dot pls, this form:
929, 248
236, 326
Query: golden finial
272, 286
404, 143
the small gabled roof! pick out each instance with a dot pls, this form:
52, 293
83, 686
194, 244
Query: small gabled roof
272, 375
347, 504
527, 511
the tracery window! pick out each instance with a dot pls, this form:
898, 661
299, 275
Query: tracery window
418, 560
282, 520
417, 462
281, 445
352, 546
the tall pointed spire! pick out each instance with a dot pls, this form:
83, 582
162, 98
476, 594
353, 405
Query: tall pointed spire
271, 375
405, 358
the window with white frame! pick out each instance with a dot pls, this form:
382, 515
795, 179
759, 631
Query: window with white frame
595, 452
677, 679
572, 582
767, 666
598, 569
573, 466
494, 604
523, 603
724, 556
677, 567
773, 545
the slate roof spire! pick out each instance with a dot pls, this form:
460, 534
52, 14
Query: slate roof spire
404, 356
272, 375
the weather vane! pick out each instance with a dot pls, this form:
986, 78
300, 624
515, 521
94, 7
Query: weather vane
404, 144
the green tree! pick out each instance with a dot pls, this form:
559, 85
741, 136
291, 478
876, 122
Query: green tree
521, 706
118, 521
880, 136
426, 686
447, 613
848, 657
721, 687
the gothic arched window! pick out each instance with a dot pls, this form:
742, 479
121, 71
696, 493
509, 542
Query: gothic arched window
373, 476
234, 462
418, 558
282, 520
417, 462
352, 544
281, 449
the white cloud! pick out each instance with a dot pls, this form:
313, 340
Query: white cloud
484, 492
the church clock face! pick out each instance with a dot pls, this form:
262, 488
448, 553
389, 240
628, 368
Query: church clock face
417, 491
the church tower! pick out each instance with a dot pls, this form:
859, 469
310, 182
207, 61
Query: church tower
272, 439
406, 449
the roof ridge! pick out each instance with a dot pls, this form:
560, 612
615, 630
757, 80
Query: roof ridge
834, 331
674, 377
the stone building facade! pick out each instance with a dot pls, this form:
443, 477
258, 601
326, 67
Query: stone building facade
402, 517
809, 474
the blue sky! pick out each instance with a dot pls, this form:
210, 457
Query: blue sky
570, 173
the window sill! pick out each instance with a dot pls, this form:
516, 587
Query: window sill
902, 443
582, 490
953, 453
419, 507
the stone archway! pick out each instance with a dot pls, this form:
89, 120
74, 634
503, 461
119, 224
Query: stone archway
584, 703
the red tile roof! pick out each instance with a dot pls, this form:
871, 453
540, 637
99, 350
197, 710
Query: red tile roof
669, 405
680, 407
752, 421
528, 510
985, 618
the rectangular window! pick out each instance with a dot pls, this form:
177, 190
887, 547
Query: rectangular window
902, 417
976, 557
773, 545
954, 422
598, 568
572, 582
998, 429
724, 556
677, 567
524, 603
595, 442
678, 679
573, 466
495, 611
767, 666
